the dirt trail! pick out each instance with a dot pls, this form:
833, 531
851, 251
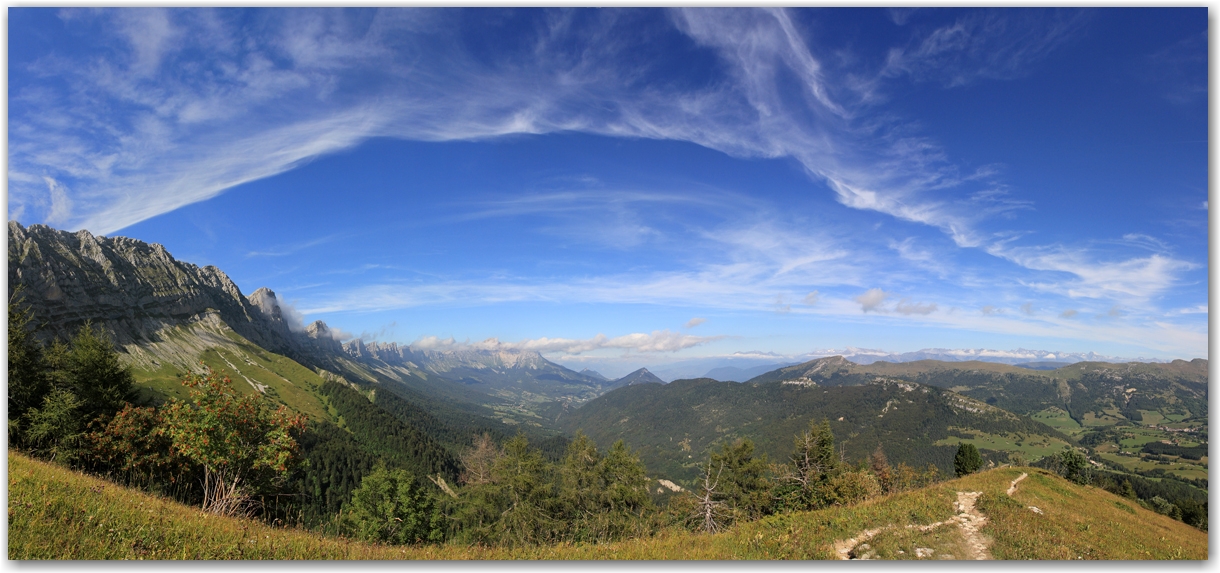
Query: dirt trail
968, 520
1013, 487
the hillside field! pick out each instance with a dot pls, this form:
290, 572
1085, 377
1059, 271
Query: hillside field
56, 513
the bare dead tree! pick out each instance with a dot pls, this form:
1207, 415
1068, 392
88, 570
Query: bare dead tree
708, 509
478, 461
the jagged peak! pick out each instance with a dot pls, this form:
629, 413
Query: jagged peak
318, 329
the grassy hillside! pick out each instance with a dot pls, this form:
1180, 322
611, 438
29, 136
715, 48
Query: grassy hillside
1113, 408
672, 426
59, 514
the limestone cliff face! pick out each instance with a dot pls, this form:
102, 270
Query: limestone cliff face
321, 338
137, 291
161, 310
131, 288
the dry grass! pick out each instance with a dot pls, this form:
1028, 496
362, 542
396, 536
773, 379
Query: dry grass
59, 514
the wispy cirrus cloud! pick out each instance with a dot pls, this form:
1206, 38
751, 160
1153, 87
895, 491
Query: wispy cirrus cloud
178, 106
992, 44
658, 341
1081, 273
143, 131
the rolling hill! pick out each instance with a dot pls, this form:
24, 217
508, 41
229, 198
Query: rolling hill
1116, 409
674, 425
1117, 391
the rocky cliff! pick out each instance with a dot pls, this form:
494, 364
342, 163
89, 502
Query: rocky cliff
137, 292
161, 310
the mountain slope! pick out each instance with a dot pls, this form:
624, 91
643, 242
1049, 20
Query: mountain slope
166, 315
594, 375
59, 514
673, 425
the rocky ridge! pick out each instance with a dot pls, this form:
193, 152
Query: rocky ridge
161, 310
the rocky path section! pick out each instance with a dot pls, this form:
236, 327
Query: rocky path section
1012, 488
971, 521
968, 520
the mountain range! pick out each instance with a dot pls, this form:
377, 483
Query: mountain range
420, 407
169, 317
165, 314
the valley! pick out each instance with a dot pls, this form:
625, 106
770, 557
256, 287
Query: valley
372, 404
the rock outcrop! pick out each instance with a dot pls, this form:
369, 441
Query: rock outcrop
137, 292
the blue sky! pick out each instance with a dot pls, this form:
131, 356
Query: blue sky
639, 186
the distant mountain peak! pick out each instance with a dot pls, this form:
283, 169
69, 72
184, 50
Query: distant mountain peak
594, 374
641, 376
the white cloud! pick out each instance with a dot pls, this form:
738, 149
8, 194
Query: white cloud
811, 298
656, 342
1137, 278
871, 299
435, 343
990, 310
904, 307
695, 322
339, 334
61, 204
292, 317
1028, 308
780, 306
1069, 313
285, 250
150, 34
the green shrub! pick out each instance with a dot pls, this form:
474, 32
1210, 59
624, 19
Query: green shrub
391, 507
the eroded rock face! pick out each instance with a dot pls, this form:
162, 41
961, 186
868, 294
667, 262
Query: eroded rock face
133, 290
161, 310
321, 338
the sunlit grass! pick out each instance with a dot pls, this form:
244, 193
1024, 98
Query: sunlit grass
1189, 469
59, 514
1033, 447
1058, 419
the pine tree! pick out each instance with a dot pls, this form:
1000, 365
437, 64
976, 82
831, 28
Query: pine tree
967, 460
523, 481
813, 463
743, 479
580, 482
89, 366
28, 383
624, 480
